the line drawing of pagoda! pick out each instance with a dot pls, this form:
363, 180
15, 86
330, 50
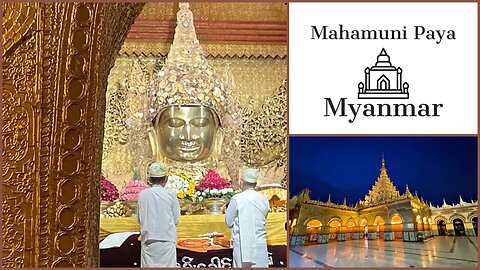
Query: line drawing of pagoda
383, 81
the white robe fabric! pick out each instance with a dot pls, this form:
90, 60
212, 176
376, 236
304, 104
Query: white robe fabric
246, 215
158, 213
157, 254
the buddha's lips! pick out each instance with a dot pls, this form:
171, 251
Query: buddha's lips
189, 148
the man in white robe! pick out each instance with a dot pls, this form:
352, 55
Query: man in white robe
158, 213
246, 215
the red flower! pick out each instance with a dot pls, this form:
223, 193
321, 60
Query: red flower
213, 180
109, 190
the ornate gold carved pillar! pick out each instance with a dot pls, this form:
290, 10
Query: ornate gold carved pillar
57, 57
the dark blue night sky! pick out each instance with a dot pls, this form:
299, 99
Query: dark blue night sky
435, 167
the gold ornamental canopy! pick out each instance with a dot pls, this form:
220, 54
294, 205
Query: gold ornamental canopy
188, 78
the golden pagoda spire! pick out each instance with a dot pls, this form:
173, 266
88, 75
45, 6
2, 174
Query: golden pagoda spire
329, 201
407, 191
383, 189
461, 200
345, 201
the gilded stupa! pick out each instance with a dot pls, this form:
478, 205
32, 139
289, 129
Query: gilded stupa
382, 191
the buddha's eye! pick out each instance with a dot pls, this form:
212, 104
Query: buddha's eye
175, 122
200, 122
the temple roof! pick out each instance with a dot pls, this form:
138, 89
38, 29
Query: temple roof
383, 190
460, 204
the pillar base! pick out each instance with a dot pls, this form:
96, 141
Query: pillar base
342, 237
388, 236
297, 240
409, 236
323, 238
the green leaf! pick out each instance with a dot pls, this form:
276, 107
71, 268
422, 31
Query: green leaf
137, 175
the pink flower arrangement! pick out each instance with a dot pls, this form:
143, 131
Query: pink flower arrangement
213, 186
109, 190
132, 189
212, 180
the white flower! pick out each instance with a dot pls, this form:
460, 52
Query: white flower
224, 191
198, 193
200, 199
204, 194
214, 191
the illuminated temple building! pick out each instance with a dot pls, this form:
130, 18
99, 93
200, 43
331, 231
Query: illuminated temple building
385, 214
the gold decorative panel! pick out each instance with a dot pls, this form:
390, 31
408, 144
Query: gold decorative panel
17, 23
54, 83
223, 11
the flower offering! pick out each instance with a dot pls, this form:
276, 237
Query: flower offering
132, 189
214, 186
181, 185
109, 190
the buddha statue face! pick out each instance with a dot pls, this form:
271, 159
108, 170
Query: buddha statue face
186, 133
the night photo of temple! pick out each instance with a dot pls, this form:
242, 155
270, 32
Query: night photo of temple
402, 220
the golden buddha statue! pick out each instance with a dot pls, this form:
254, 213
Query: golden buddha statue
191, 110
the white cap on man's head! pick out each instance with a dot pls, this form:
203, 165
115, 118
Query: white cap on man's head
250, 175
157, 169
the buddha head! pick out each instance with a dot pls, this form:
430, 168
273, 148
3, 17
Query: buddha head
210, 129
185, 133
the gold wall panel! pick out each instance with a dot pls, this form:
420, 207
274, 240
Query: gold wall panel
220, 11
17, 22
54, 83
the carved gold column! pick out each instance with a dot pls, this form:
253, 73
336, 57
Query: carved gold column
56, 60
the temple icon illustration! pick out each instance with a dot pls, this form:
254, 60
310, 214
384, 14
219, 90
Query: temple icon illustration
383, 81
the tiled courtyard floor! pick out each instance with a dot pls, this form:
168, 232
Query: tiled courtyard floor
440, 251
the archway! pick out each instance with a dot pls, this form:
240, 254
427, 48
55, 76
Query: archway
334, 228
459, 227
379, 226
314, 228
383, 83
364, 228
351, 228
442, 227
397, 226
475, 225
